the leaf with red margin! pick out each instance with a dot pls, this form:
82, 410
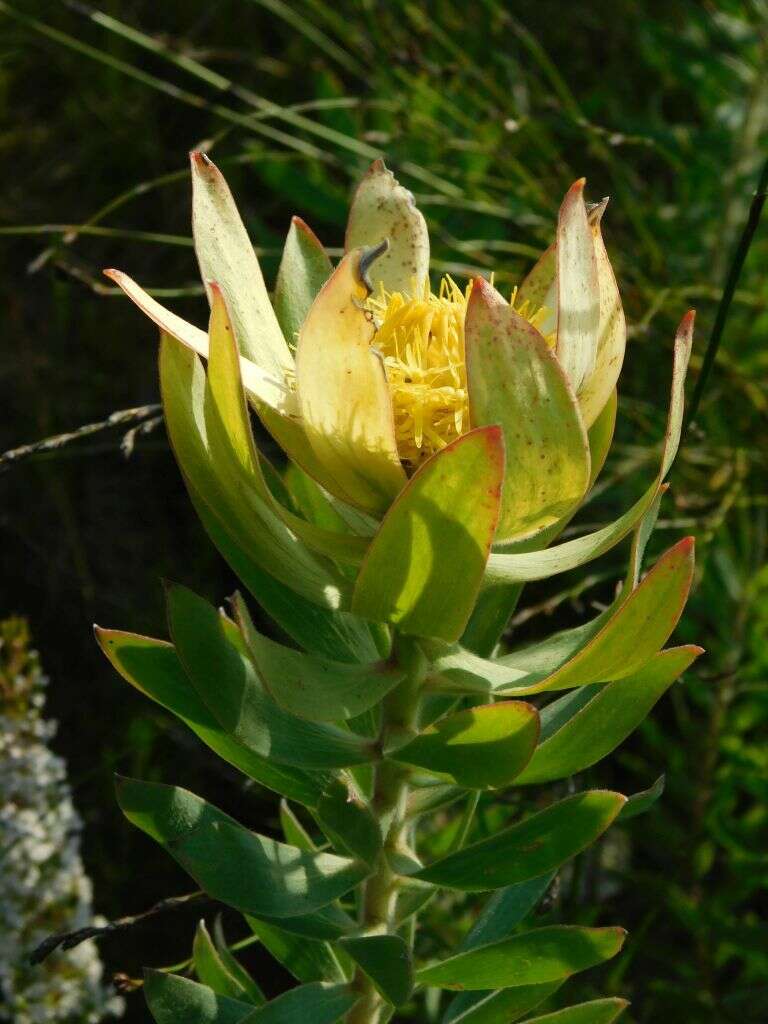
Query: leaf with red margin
424, 567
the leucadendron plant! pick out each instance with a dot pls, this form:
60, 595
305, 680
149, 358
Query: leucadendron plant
437, 443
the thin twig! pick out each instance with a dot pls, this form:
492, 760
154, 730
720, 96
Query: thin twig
144, 417
729, 289
68, 940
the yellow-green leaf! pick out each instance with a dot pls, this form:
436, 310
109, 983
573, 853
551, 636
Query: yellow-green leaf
514, 379
479, 747
343, 393
523, 566
424, 566
581, 728
382, 208
304, 269
578, 293
226, 255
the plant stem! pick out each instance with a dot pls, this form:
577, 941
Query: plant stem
388, 803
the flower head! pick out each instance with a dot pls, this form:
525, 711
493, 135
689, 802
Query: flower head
462, 417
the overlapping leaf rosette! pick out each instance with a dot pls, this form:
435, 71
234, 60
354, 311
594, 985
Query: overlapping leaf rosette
437, 443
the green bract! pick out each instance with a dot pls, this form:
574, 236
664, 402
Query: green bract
436, 443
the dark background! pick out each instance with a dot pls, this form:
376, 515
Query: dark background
487, 115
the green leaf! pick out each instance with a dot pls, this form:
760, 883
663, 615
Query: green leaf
306, 959
497, 1007
327, 924
514, 379
233, 965
293, 831
211, 970
598, 1011
424, 566
495, 605
154, 668
540, 843
318, 1003
311, 687
175, 1000
226, 256
499, 918
479, 747
225, 679
641, 802
638, 627
232, 497
246, 871
386, 960
304, 269
348, 823
505, 910
382, 208
504, 568
533, 958
578, 730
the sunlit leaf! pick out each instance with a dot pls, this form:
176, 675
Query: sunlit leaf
424, 566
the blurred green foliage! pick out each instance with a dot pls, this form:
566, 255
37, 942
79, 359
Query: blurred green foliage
487, 112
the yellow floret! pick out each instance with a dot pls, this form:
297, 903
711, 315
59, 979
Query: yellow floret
421, 341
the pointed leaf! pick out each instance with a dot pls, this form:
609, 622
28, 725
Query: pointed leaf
343, 393
382, 208
578, 730
226, 255
306, 959
505, 910
643, 801
578, 290
424, 567
637, 629
173, 1000
348, 823
294, 832
598, 1011
533, 958
515, 380
318, 689
262, 385
535, 565
327, 924
600, 435
233, 451
386, 960
210, 470
318, 1003
233, 965
246, 871
225, 679
599, 384
211, 970
154, 668
540, 843
479, 747
497, 1007
304, 269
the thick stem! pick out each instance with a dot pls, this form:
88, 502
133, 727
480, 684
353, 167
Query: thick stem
390, 795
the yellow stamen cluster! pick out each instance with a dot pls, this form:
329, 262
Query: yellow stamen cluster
421, 340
